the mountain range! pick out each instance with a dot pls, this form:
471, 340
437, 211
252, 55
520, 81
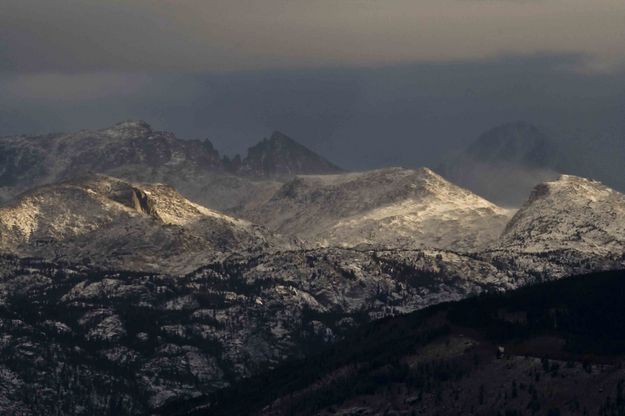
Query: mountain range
132, 150
139, 271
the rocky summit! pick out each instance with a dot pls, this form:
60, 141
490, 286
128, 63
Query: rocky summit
569, 213
282, 156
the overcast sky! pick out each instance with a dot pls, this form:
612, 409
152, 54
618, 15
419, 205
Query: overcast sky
209, 35
369, 82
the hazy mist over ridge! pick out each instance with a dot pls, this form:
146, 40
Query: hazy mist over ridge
371, 84
358, 117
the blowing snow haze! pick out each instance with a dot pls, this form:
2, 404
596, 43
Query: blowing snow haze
328, 207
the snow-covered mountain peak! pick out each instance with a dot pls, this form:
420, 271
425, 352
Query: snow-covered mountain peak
390, 206
436, 184
93, 194
134, 226
404, 181
425, 171
569, 213
569, 181
574, 185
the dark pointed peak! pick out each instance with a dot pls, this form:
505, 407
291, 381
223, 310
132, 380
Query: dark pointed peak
278, 136
516, 142
513, 130
279, 140
280, 155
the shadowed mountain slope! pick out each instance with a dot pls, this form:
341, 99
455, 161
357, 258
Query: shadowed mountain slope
546, 349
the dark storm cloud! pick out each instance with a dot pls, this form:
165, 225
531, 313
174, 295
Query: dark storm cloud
397, 115
367, 83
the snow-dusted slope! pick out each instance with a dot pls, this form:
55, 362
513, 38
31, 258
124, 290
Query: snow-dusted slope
132, 150
109, 222
571, 213
391, 207
144, 340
